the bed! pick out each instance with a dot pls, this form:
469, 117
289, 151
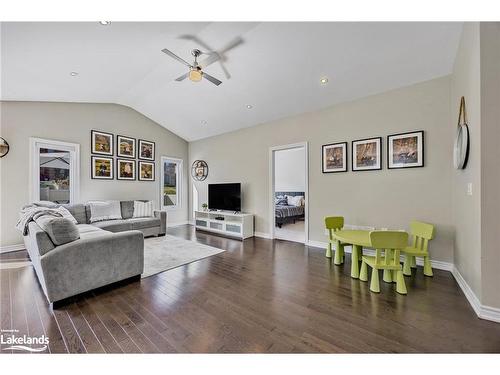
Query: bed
284, 213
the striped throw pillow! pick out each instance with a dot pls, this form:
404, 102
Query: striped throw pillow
143, 209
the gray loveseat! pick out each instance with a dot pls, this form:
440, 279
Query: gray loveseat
106, 252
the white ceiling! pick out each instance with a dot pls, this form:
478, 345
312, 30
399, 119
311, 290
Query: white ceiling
277, 69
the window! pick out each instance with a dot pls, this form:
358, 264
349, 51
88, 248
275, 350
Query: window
171, 183
54, 171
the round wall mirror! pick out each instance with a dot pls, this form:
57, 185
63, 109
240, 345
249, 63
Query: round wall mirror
4, 147
199, 170
461, 148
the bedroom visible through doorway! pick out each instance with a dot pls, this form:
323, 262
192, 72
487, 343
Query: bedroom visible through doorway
290, 192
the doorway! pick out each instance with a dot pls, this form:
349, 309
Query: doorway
289, 195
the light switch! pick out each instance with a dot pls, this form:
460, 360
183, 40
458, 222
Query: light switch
469, 188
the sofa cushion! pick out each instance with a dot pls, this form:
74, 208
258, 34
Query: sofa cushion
59, 229
127, 209
104, 210
78, 212
144, 222
86, 228
114, 225
39, 240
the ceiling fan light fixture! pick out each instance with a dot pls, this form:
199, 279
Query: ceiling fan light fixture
195, 75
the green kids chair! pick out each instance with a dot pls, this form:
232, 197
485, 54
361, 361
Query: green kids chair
421, 234
333, 224
391, 243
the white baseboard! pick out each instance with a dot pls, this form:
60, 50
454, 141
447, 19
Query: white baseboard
483, 311
437, 264
11, 248
178, 223
262, 235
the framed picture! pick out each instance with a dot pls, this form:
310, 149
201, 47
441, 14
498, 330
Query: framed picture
101, 168
125, 147
366, 154
146, 150
101, 143
125, 169
405, 150
146, 171
334, 157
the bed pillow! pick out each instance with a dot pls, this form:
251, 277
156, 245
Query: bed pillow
104, 210
143, 209
295, 201
281, 201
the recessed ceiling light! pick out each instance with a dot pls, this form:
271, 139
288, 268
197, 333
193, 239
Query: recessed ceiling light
203, 122
73, 74
105, 23
249, 106
323, 80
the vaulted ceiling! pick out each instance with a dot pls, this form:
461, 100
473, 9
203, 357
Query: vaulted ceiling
277, 70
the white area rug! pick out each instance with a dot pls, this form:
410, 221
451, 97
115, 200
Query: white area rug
165, 253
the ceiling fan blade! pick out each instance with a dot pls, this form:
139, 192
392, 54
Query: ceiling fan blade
226, 73
232, 44
214, 57
197, 40
214, 80
182, 77
173, 55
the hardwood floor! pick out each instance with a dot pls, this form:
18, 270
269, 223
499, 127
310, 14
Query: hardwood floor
258, 296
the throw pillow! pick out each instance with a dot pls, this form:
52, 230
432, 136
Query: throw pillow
104, 210
59, 229
143, 209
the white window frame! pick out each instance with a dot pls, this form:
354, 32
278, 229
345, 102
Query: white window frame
34, 168
179, 171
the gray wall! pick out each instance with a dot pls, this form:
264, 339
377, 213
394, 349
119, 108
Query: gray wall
386, 198
72, 122
466, 209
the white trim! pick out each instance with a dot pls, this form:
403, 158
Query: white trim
262, 235
469, 294
178, 223
180, 167
437, 264
74, 177
11, 248
271, 187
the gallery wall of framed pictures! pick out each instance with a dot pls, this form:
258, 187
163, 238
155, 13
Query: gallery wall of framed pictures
404, 150
103, 165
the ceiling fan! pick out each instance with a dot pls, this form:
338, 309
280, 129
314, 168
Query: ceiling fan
196, 72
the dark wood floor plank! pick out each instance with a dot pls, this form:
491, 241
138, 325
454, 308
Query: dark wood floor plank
258, 296
5, 304
125, 343
105, 338
89, 339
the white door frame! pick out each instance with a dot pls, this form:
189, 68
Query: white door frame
180, 167
34, 166
272, 150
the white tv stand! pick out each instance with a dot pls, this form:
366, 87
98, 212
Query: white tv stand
236, 225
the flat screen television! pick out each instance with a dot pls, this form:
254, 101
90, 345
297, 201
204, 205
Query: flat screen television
224, 197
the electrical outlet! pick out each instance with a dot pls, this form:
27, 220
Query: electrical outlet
469, 188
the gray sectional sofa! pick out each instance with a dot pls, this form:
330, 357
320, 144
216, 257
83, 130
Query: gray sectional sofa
106, 252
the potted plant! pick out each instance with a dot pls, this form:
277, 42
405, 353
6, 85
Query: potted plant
204, 206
